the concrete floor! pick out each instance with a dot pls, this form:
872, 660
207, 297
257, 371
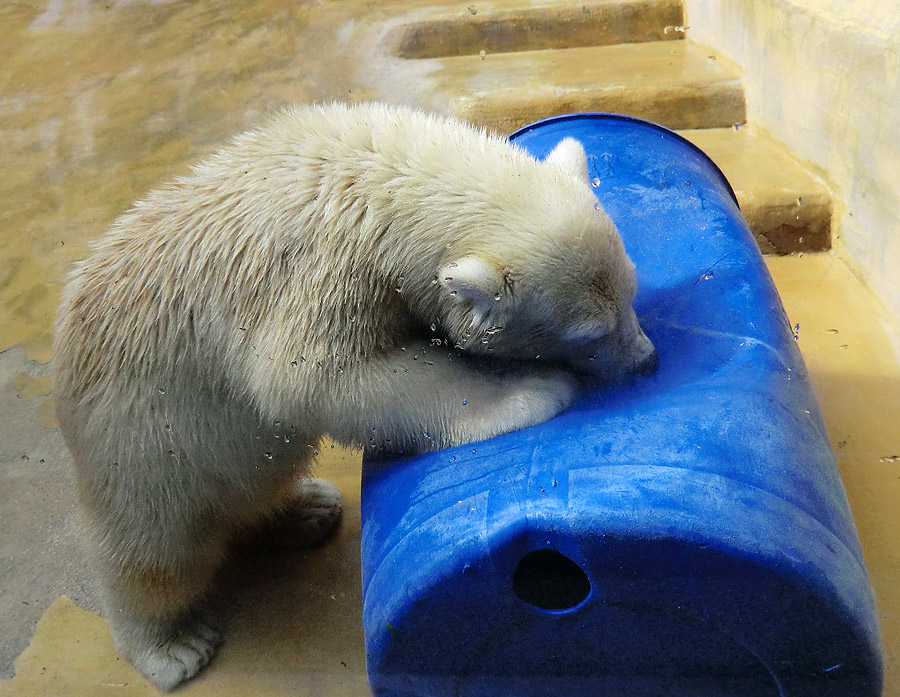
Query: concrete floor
101, 101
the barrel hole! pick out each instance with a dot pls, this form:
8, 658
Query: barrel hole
549, 580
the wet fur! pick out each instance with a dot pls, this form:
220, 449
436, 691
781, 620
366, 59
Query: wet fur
286, 290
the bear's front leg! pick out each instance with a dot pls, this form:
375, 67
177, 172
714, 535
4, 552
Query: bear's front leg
425, 397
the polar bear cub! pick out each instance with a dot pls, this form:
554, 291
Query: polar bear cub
391, 279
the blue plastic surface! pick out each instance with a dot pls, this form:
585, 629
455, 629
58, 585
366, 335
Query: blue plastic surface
703, 504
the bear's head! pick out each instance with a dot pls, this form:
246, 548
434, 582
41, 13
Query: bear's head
560, 289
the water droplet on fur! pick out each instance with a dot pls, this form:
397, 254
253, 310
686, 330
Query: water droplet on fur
498, 296
453, 293
268, 455
465, 401
448, 278
474, 452
708, 275
161, 390
595, 182
426, 434
484, 340
452, 264
797, 332
597, 206
433, 327
294, 364
832, 331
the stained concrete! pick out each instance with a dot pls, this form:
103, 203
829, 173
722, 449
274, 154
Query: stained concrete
677, 84
294, 629
501, 26
40, 554
787, 205
851, 346
823, 76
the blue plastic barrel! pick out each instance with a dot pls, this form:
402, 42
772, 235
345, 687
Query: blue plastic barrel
683, 535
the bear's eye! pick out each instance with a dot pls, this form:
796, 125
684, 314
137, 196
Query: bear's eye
603, 295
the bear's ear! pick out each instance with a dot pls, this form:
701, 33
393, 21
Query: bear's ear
475, 280
569, 156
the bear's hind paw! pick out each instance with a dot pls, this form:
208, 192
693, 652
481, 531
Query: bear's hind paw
306, 519
179, 659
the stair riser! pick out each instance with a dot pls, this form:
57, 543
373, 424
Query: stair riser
531, 28
710, 106
787, 229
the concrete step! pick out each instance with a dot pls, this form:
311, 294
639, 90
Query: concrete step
788, 207
500, 26
677, 84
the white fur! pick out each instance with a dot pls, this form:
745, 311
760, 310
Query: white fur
295, 286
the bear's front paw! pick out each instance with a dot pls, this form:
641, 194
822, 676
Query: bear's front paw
536, 398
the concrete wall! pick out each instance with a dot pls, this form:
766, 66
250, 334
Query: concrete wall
824, 77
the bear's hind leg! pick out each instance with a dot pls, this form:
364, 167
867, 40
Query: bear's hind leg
160, 618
